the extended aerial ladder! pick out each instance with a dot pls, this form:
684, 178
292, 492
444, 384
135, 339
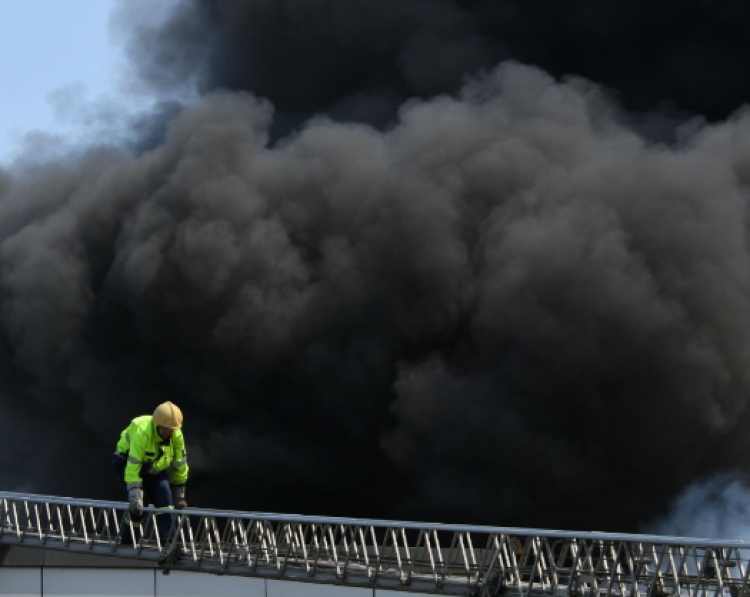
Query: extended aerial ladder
411, 556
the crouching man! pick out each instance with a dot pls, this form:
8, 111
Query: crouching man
150, 458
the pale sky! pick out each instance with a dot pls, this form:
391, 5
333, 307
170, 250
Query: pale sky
53, 54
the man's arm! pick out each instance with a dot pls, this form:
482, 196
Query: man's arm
179, 472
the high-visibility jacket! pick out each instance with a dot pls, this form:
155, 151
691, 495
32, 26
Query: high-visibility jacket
147, 452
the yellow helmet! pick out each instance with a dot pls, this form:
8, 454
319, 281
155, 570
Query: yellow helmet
168, 415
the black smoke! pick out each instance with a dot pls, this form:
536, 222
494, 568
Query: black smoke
498, 304
361, 59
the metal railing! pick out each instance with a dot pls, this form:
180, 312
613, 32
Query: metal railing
421, 557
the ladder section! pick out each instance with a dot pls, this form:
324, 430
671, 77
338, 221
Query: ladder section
410, 556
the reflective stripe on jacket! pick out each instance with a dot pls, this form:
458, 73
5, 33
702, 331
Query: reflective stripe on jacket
141, 444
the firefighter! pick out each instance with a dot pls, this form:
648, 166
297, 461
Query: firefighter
151, 457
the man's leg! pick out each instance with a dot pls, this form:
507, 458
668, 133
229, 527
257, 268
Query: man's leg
158, 490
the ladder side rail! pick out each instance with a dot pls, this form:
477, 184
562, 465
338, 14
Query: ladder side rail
405, 524
225, 514
590, 562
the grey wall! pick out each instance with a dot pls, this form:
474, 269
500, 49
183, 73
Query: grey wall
113, 582
28, 572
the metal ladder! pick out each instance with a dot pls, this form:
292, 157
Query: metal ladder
411, 556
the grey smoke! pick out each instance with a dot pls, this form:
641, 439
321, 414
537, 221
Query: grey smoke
716, 508
507, 308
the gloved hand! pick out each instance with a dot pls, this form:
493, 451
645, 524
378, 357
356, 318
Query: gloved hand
135, 497
178, 496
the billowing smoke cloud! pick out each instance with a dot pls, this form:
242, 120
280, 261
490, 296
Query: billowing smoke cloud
506, 306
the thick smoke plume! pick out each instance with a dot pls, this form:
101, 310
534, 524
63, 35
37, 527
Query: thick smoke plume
508, 306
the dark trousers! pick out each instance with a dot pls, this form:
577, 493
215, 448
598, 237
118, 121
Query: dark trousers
156, 489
